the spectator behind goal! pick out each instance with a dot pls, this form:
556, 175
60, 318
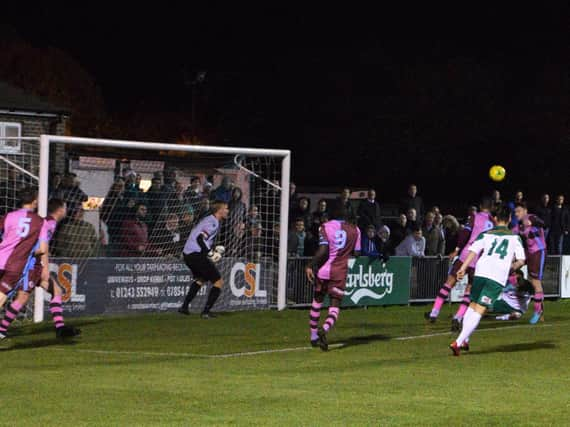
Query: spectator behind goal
319, 217
224, 192
303, 212
166, 239
70, 191
112, 214
299, 243
134, 233
76, 238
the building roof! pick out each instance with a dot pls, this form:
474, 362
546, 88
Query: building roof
15, 99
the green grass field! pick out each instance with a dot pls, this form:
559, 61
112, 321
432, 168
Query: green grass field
160, 370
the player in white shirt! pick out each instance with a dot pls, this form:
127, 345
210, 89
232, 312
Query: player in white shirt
501, 252
201, 257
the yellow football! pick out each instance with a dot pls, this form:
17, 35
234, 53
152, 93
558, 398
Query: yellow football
497, 173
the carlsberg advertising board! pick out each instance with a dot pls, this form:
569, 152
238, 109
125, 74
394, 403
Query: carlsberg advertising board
370, 282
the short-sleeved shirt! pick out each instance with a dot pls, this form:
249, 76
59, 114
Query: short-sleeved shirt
480, 222
50, 225
342, 239
497, 249
22, 230
532, 235
208, 228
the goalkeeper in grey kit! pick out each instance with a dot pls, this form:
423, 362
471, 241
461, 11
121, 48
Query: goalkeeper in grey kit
201, 257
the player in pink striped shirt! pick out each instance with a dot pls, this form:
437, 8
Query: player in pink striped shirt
23, 232
479, 223
339, 240
32, 276
531, 230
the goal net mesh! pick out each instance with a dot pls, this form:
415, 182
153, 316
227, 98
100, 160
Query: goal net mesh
140, 204
19, 168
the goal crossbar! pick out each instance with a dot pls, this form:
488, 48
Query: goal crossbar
285, 155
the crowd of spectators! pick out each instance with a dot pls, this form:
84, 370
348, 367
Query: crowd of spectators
157, 222
135, 223
416, 231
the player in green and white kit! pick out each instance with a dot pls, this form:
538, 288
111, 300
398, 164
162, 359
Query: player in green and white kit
514, 300
501, 252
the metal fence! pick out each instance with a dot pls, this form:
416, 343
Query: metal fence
299, 291
427, 276
552, 276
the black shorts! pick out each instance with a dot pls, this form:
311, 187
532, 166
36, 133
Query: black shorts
202, 268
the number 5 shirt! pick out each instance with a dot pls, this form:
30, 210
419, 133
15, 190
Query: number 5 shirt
21, 230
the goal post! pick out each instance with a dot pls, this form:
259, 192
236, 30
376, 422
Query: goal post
280, 183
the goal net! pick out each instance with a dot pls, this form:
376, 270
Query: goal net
130, 208
19, 168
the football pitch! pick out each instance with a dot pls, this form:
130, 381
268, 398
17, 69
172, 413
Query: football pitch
387, 367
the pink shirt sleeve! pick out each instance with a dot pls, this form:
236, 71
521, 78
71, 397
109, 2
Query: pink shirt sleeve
358, 245
323, 238
45, 232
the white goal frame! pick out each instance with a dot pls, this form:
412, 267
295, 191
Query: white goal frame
46, 142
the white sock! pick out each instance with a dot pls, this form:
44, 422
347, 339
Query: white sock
470, 322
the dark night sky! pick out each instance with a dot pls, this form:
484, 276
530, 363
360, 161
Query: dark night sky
379, 95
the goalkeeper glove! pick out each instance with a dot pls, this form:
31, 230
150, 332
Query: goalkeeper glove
216, 254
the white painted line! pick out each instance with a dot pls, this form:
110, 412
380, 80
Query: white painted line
277, 350
129, 353
191, 355
440, 334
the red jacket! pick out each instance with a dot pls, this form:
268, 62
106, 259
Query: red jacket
134, 234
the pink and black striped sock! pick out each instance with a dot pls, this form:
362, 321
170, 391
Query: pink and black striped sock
440, 300
9, 316
538, 299
314, 316
463, 306
56, 311
331, 318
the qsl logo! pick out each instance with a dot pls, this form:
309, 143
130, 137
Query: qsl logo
65, 276
244, 280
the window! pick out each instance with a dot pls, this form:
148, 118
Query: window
10, 130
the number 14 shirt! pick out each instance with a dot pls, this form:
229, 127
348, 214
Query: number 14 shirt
498, 248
